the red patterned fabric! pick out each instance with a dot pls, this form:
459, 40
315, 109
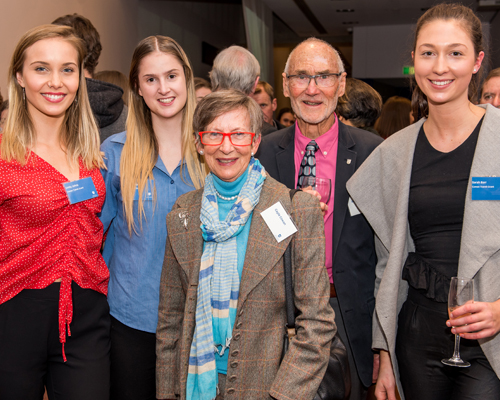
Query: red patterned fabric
44, 238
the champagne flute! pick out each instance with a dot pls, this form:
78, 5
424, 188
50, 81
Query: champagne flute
461, 292
322, 185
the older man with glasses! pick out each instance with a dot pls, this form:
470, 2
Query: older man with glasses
319, 145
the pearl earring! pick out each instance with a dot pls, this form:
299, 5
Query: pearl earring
202, 152
252, 153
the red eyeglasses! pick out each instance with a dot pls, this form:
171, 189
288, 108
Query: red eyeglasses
212, 138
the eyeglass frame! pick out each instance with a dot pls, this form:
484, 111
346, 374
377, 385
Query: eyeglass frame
337, 74
224, 134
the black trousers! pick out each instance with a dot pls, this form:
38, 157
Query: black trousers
423, 340
31, 354
133, 363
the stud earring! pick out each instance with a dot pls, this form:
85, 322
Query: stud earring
252, 153
202, 152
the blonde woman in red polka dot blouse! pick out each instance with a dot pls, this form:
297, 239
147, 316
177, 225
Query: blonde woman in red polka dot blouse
54, 317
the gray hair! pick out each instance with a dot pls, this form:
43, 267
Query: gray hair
218, 103
235, 68
340, 64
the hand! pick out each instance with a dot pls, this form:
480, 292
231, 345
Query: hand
483, 321
323, 206
376, 367
386, 383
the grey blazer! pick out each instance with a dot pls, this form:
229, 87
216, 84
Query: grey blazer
380, 189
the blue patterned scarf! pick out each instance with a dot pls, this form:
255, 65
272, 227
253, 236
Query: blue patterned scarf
219, 282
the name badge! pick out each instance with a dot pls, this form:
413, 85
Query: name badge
353, 210
80, 190
485, 188
279, 222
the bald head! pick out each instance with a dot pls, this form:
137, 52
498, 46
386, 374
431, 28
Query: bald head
314, 79
311, 46
235, 68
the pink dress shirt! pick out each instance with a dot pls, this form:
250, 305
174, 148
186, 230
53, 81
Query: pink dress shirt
326, 167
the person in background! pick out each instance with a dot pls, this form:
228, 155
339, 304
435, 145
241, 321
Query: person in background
490, 91
314, 79
235, 264
360, 105
396, 115
286, 117
54, 317
4, 111
202, 88
417, 192
237, 68
264, 96
147, 168
116, 78
105, 98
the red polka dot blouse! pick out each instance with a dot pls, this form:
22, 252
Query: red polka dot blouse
44, 238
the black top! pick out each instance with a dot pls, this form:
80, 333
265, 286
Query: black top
438, 188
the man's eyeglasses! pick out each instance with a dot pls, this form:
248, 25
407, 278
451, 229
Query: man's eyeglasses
301, 81
236, 138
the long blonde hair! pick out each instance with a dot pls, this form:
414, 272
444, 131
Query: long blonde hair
141, 148
79, 134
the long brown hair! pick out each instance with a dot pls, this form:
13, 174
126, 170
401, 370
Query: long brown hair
471, 24
394, 117
79, 134
141, 148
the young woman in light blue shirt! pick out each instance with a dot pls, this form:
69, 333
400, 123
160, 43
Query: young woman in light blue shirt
148, 167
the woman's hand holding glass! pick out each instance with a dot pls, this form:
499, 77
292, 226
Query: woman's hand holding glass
477, 320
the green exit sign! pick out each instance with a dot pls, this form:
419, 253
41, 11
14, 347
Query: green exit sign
408, 70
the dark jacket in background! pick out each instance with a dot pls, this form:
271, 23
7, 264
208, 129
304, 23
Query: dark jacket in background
108, 107
354, 257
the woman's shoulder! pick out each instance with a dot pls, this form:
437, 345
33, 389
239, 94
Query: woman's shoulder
114, 143
189, 199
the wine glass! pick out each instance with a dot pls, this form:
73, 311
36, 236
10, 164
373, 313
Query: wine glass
322, 185
461, 292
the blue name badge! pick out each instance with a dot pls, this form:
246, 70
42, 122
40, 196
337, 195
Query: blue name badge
80, 190
485, 188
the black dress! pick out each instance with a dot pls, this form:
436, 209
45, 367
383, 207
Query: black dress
438, 189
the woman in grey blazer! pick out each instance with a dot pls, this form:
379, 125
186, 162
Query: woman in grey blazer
415, 190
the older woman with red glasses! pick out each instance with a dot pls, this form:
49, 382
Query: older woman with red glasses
222, 296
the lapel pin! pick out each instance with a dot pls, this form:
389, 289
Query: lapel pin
348, 161
184, 217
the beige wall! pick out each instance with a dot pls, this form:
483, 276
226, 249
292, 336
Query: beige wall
116, 21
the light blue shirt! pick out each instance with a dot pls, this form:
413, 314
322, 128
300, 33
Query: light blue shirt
135, 262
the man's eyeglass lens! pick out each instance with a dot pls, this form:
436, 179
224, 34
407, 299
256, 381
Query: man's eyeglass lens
322, 81
236, 138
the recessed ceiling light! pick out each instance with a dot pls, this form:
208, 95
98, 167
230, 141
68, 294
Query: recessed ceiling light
345, 10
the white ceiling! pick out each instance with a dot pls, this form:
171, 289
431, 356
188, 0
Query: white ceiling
366, 12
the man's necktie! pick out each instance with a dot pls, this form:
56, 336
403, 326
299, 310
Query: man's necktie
308, 164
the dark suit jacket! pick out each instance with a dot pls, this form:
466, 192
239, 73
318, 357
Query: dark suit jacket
254, 369
354, 257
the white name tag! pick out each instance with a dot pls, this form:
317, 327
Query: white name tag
279, 222
353, 210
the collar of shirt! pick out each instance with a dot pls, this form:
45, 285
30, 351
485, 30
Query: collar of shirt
325, 142
121, 137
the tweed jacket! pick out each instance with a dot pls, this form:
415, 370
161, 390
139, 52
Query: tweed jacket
254, 370
353, 248
380, 189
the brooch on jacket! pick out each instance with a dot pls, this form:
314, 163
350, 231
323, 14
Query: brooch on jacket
184, 217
